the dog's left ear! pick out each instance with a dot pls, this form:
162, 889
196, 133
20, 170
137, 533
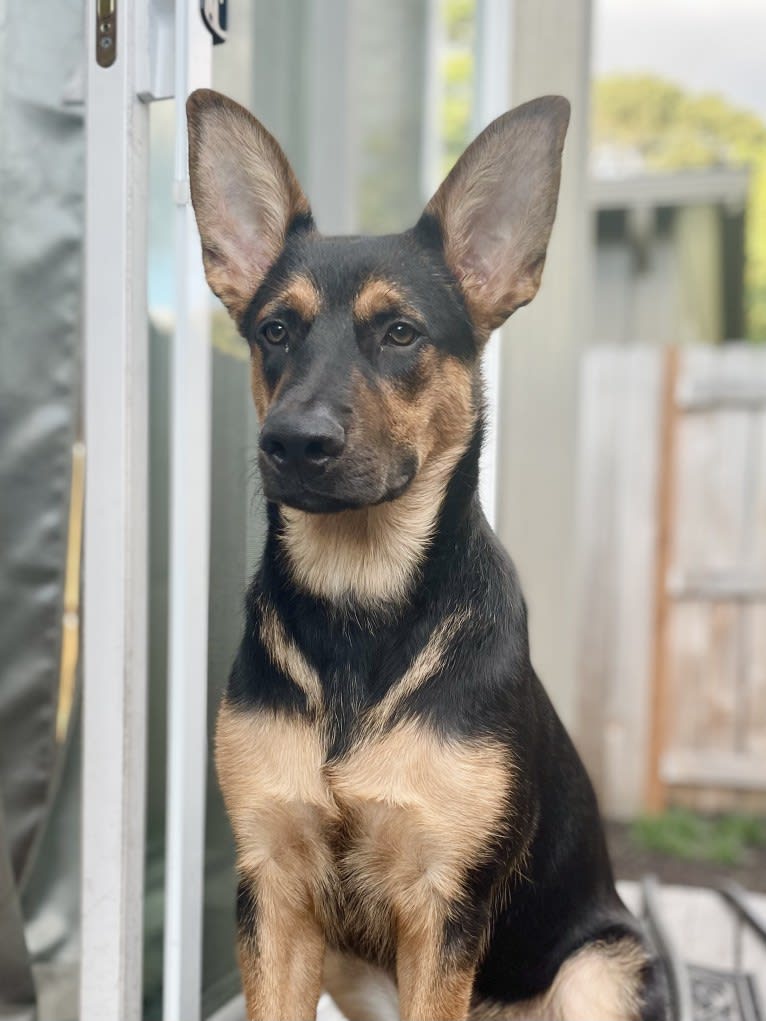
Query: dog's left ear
495, 209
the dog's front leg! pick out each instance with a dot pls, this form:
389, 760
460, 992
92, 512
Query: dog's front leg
433, 986
281, 948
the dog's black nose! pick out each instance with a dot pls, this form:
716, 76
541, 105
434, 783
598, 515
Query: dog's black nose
306, 440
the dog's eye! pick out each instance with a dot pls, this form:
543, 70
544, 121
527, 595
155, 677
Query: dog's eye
402, 334
275, 332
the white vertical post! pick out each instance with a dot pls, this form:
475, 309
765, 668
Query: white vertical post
491, 77
550, 45
115, 551
189, 561
329, 180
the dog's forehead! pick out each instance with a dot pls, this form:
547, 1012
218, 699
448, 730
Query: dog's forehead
342, 267
364, 278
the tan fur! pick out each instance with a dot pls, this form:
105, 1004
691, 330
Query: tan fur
281, 962
373, 553
601, 982
300, 294
376, 296
270, 772
441, 413
428, 661
258, 388
422, 811
245, 196
419, 812
286, 655
429, 991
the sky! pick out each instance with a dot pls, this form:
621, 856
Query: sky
705, 45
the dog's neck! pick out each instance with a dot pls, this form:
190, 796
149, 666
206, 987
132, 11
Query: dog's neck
373, 556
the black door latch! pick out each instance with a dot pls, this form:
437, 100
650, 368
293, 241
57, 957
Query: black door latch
215, 16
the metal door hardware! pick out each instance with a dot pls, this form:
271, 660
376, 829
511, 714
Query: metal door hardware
106, 32
215, 15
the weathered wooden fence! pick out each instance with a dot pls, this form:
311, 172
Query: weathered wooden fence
672, 577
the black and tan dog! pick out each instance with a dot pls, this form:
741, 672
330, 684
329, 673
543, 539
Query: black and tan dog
403, 796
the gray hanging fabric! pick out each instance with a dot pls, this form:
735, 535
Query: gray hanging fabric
42, 151
17, 988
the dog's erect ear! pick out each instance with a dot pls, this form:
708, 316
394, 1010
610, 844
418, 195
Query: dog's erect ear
245, 196
496, 208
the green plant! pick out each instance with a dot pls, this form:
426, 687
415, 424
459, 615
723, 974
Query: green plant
723, 840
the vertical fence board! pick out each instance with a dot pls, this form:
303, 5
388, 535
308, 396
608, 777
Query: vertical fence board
701, 655
755, 743
710, 490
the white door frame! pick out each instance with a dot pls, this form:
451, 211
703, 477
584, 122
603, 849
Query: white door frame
115, 539
115, 547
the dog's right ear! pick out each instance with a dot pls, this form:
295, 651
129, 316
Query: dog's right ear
245, 196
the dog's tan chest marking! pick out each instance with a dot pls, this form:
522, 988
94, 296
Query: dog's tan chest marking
270, 771
421, 812
417, 811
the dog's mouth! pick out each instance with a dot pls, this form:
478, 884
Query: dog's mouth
332, 494
309, 500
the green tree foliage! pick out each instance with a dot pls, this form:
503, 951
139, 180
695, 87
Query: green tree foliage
674, 130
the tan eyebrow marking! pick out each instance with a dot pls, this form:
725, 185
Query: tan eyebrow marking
376, 296
300, 294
